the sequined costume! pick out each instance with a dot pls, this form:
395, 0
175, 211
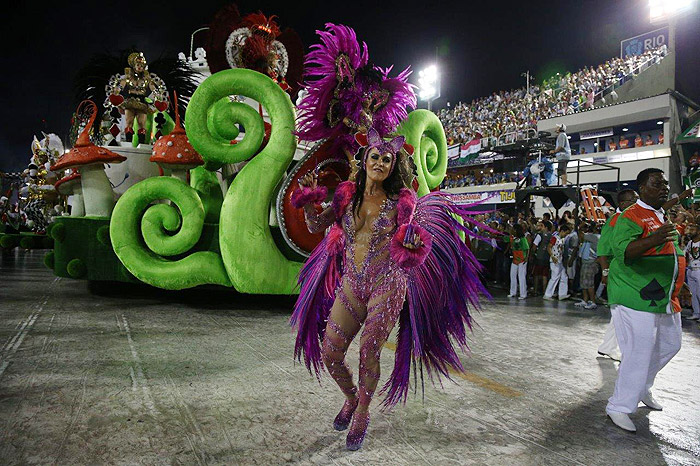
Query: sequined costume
371, 292
408, 265
348, 283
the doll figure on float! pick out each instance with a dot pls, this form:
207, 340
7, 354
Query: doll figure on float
137, 94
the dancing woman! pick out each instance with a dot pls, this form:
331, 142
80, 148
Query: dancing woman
387, 257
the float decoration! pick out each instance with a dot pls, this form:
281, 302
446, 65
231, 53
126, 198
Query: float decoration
423, 130
255, 42
159, 243
89, 160
174, 153
105, 73
71, 186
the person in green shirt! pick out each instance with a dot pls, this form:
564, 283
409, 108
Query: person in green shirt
645, 278
518, 269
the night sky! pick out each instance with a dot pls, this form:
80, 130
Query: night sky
483, 46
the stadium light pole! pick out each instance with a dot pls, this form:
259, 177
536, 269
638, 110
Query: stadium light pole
526, 75
429, 85
662, 10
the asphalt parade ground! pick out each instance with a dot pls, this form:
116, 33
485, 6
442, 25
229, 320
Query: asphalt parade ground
123, 374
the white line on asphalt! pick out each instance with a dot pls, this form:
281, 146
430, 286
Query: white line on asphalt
140, 377
11, 347
16, 336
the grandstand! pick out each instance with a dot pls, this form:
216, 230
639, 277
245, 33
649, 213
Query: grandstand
621, 116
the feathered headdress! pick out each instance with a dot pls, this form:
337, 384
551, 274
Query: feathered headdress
346, 94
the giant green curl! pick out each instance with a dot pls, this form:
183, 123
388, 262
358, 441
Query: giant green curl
146, 236
425, 133
250, 255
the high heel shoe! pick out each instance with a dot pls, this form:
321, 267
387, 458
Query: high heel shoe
342, 420
360, 422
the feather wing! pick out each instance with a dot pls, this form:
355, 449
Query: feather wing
318, 279
441, 291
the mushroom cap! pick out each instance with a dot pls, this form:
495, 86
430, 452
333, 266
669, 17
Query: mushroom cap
86, 155
65, 186
84, 152
174, 150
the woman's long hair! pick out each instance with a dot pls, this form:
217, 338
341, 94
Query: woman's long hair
391, 185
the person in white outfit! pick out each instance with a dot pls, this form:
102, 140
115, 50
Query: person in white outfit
518, 269
692, 257
558, 268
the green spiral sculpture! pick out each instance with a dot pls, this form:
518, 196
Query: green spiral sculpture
146, 243
250, 255
423, 130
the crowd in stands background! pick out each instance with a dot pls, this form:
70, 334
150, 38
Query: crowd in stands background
517, 109
459, 181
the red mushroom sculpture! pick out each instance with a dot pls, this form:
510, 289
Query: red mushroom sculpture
89, 160
70, 186
174, 153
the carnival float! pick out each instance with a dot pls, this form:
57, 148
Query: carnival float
177, 204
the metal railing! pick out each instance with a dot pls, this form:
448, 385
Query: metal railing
524, 182
588, 163
514, 136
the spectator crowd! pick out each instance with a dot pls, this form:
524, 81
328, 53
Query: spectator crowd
520, 109
552, 257
462, 180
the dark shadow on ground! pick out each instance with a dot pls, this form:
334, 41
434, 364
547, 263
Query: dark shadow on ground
201, 297
586, 428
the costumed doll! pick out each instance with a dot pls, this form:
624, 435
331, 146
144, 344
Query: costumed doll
138, 94
387, 257
255, 42
42, 202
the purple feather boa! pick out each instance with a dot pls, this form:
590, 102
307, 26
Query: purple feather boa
304, 195
405, 257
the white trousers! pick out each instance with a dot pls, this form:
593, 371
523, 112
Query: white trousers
647, 341
609, 345
558, 277
518, 274
694, 285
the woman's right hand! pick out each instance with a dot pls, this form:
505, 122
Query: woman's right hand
309, 180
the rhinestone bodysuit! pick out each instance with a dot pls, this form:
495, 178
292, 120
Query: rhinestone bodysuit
371, 293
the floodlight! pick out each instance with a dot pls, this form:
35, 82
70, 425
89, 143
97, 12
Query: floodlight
660, 10
429, 84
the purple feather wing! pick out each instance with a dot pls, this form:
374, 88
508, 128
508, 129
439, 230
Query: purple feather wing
441, 291
318, 279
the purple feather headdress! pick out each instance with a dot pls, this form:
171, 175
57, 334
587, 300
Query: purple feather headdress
342, 87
